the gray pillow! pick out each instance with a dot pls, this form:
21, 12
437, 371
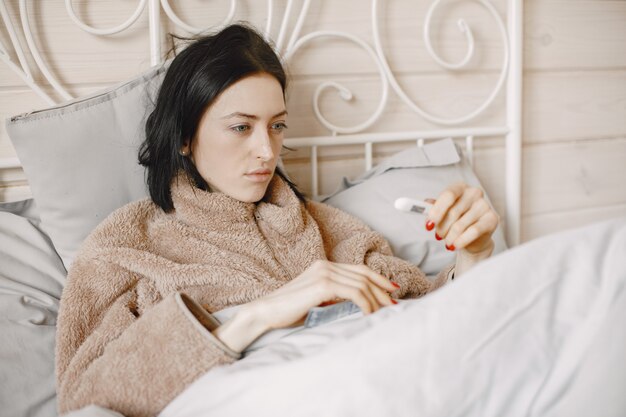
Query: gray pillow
418, 173
80, 158
31, 281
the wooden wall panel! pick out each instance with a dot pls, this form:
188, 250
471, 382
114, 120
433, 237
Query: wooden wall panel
401, 27
578, 175
574, 35
76, 57
559, 35
442, 95
574, 105
542, 224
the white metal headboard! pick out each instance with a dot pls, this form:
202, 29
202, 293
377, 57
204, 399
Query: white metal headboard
287, 44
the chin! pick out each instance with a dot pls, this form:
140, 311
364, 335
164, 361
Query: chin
246, 191
251, 196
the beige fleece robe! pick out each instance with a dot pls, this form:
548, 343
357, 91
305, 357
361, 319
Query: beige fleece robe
134, 327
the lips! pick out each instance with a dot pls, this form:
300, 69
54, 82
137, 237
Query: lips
259, 175
260, 171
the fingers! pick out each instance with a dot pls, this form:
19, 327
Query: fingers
358, 296
484, 227
370, 274
462, 216
366, 283
326, 281
445, 200
359, 284
455, 225
377, 297
321, 282
460, 207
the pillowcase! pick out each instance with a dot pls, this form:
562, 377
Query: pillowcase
80, 158
31, 281
418, 173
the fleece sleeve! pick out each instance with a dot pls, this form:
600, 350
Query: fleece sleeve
113, 354
349, 240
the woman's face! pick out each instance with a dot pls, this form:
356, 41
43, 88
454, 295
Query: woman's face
240, 136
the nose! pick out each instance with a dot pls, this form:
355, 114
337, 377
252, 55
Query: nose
263, 147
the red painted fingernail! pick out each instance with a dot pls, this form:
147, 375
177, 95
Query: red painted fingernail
394, 301
437, 236
451, 247
430, 225
395, 284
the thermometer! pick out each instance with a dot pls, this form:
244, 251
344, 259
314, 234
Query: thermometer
412, 204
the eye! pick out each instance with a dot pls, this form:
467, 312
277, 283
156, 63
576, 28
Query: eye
279, 126
240, 128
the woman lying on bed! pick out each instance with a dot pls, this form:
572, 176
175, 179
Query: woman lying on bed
224, 227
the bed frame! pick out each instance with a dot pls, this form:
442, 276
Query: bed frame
287, 44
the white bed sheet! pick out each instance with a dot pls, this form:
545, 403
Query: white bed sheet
537, 331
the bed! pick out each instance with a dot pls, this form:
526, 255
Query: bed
537, 330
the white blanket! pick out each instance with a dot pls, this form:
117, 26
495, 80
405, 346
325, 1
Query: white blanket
536, 331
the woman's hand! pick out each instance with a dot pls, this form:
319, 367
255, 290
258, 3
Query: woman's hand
322, 282
464, 220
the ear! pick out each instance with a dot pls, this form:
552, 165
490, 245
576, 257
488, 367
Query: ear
185, 150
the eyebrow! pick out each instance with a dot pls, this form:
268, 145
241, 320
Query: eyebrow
252, 116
